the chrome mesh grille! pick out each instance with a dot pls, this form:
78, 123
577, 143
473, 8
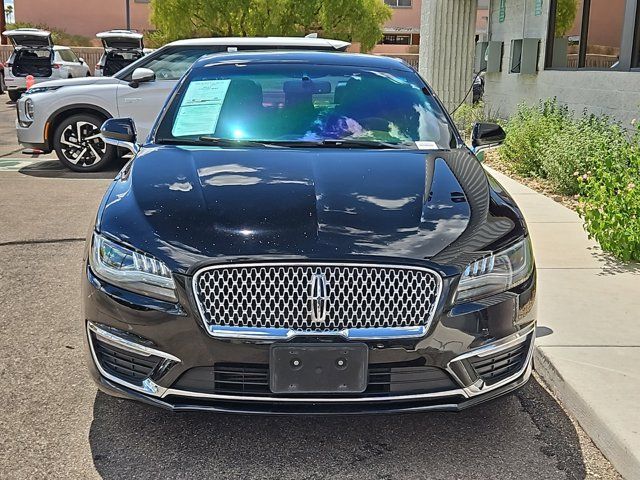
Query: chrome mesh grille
278, 296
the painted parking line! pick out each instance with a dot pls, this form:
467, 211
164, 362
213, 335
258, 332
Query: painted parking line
15, 164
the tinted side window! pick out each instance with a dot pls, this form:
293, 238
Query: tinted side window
172, 63
67, 55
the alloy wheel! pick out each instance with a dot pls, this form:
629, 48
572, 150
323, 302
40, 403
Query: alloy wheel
81, 144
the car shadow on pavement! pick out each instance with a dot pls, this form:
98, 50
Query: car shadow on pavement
53, 169
524, 435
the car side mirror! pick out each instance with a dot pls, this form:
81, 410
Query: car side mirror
485, 136
81, 60
120, 132
141, 75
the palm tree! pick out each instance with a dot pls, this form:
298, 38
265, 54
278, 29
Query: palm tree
8, 14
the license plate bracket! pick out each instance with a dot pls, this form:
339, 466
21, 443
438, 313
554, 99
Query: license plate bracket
318, 368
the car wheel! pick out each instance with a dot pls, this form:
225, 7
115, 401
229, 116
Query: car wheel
78, 144
14, 95
2, 85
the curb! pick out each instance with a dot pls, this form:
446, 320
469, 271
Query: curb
619, 454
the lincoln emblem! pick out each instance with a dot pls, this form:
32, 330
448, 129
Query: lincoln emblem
318, 297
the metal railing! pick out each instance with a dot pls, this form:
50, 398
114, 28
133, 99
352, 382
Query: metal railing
411, 58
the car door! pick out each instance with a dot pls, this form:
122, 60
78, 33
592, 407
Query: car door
143, 102
61, 65
79, 69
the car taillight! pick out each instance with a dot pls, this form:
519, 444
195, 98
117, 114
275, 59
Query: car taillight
99, 67
56, 66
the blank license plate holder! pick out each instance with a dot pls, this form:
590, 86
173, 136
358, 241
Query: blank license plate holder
318, 368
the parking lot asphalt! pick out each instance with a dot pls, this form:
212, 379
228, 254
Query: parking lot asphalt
54, 423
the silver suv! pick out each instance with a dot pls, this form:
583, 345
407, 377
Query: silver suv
66, 116
35, 54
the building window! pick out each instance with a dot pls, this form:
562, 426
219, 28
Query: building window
398, 3
635, 55
585, 34
396, 39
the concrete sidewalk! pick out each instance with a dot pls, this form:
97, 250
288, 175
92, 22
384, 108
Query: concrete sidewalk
588, 345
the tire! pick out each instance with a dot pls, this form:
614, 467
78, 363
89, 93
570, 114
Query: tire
14, 95
78, 145
2, 86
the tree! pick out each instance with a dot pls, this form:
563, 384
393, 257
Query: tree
350, 20
565, 16
59, 36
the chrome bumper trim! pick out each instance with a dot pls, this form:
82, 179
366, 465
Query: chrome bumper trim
479, 388
118, 341
220, 331
148, 386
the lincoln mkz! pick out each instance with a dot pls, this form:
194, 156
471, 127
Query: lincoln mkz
307, 233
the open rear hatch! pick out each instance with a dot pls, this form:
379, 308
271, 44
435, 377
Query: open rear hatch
34, 52
122, 47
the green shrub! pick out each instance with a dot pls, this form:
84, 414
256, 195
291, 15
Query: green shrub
610, 200
466, 115
529, 131
579, 146
590, 156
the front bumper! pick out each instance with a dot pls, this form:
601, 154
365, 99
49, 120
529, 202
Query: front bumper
463, 343
31, 133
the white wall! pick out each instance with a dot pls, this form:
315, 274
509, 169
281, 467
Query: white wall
616, 94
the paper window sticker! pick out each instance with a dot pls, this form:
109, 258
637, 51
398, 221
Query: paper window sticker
200, 109
426, 145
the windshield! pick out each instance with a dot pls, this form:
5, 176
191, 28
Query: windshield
299, 104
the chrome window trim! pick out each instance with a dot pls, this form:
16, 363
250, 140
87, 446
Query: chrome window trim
221, 331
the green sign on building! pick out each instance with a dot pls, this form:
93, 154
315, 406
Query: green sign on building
501, 13
538, 9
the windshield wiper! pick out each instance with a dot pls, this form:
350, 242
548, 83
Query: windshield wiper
232, 142
355, 143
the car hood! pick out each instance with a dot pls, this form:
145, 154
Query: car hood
74, 82
187, 205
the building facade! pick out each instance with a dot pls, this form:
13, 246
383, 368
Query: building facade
402, 30
86, 17
585, 53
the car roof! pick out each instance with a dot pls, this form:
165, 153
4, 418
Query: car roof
308, 42
302, 56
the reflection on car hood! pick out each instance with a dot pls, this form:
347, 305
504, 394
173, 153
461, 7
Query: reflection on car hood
189, 204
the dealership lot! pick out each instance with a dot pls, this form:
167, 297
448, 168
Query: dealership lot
56, 425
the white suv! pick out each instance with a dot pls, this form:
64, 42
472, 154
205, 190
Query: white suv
34, 54
66, 116
121, 48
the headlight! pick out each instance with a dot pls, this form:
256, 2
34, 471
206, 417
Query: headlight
28, 109
497, 272
131, 270
33, 90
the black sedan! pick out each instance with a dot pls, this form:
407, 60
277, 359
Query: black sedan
306, 232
